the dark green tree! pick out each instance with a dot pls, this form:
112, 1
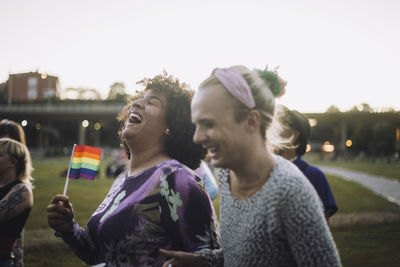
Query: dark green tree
363, 135
117, 92
83, 93
383, 143
366, 108
332, 109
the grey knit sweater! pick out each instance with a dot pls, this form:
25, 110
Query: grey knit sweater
281, 225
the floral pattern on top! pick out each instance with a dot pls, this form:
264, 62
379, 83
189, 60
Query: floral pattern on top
165, 206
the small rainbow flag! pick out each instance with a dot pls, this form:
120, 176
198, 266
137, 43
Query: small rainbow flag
85, 162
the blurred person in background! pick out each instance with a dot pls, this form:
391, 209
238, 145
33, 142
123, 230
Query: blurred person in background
13, 130
16, 198
119, 163
158, 202
297, 127
206, 174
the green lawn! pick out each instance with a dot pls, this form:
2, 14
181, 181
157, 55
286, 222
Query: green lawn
365, 245
351, 197
85, 195
369, 245
51, 255
377, 167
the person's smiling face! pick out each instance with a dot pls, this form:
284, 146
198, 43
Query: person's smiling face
146, 120
216, 128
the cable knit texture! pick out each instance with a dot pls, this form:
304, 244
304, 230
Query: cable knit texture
280, 225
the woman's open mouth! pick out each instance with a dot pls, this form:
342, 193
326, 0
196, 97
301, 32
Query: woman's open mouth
135, 118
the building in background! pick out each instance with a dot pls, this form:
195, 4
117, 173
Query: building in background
27, 87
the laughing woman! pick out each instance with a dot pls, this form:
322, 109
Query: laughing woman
158, 202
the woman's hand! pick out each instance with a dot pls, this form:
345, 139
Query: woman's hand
60, 214
180, 259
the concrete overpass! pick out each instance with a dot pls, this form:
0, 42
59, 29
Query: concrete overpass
46, 123
80, 110
73, 113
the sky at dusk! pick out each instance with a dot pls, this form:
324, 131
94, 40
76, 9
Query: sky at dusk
342, 53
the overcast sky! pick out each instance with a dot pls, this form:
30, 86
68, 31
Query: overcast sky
340, 53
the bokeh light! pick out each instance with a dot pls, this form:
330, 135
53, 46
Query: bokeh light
313, 122
327, 147
308, 148
97, 126
349, 143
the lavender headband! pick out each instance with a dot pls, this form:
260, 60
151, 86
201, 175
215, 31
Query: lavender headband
234, 82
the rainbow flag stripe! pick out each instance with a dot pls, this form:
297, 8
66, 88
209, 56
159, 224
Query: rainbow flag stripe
85, 162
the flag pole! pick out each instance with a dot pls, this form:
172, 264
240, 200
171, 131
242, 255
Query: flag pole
69, 168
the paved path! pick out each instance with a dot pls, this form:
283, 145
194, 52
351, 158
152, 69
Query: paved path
388, 188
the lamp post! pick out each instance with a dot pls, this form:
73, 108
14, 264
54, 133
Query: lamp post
82, 133
46, 91
9, 100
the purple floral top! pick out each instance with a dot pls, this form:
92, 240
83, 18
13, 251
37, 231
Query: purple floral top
164, 206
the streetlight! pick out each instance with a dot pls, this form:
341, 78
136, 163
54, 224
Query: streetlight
97, 126
85, 123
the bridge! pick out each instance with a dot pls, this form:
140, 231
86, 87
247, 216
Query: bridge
48, 120
59, 125
81, 110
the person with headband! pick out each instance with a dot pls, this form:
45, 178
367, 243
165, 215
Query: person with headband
296, 125
270, 215
16, 198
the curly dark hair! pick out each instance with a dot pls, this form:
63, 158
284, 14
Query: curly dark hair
179, 144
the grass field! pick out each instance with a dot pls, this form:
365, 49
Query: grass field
364, 244
359, 245
380, 167
85, 195
351, 197
369, 245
